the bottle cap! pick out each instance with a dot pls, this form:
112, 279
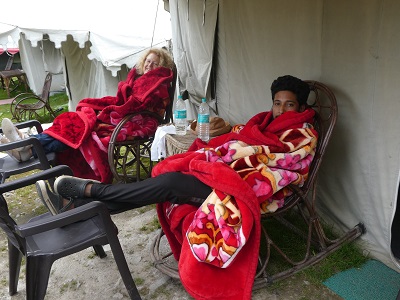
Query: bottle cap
203, 100
179, 96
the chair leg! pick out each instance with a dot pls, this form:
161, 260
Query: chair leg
14, 262
98, 249
123, 268
37, 276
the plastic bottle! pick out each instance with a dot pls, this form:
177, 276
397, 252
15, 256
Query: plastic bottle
180, 118
203, 121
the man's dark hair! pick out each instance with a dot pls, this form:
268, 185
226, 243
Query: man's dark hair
290, 83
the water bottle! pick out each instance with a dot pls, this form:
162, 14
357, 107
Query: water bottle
180, 116
203, 121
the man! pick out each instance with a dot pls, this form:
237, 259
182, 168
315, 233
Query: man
209, 198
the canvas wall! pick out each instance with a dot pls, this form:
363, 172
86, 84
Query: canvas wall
353, 47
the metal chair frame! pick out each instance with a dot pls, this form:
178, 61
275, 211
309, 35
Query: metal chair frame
126, 157
22, 108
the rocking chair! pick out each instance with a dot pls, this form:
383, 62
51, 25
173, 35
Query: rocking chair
301, 205
130, 160
25, 106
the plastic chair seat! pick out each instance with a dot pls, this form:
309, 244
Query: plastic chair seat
56, 241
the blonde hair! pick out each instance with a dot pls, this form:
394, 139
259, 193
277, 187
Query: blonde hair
165, 59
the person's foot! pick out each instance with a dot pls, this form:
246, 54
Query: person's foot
19, 154
12, 132
52, 201
72, 187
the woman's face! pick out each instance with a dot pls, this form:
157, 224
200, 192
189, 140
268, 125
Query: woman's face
152, 61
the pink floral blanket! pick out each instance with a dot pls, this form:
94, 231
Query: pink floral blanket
217, 244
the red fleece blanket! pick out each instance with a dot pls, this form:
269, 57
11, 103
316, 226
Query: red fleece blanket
217, 244
87, 131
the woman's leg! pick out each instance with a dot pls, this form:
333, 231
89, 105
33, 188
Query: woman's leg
49, 143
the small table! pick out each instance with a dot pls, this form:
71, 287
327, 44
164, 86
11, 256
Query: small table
9, 74
175, 144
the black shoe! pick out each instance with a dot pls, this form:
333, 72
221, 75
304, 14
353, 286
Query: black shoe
71, 187
52, 201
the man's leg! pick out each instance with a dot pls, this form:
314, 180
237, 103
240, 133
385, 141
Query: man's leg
174, 187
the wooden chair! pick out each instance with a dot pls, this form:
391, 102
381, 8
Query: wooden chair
298, 215
130, 160
26, 106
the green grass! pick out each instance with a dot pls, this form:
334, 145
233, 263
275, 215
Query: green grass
349, 255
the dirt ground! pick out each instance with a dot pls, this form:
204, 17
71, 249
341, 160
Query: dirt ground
85, 276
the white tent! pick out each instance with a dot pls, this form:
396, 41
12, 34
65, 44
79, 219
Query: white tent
89, 45
231, 51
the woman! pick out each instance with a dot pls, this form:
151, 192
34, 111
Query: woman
81, 138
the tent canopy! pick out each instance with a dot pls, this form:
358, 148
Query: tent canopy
116, 34
88, 44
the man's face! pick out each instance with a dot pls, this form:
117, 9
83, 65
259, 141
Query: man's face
285, 101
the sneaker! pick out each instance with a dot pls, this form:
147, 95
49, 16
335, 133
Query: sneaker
52, 201
71, 187
19, 154
10, 131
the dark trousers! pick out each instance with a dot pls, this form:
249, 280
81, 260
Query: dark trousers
173, 187
49, 144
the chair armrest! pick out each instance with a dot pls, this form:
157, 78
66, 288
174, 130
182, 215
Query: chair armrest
31, 179
25, 142
30, 123
80, 213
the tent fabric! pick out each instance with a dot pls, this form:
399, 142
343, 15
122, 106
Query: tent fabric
89, 46
353, 47
47, 59
11, 51
193, 48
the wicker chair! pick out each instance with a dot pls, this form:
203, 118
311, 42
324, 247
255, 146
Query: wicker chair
130, 160
300, 207
25, 106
